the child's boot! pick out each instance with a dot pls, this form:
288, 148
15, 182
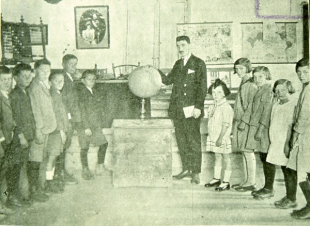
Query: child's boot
51, 187
304, 213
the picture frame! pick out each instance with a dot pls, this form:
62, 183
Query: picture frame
92, 27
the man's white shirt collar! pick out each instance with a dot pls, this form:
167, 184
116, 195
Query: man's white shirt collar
89, 89
185, 59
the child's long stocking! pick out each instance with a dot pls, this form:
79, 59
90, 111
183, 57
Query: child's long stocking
251, 168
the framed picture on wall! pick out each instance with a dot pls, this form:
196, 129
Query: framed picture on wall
92, 27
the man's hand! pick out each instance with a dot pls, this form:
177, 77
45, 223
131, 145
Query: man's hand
196, 113
88, 132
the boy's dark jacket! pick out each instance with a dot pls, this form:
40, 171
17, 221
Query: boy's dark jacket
91, 107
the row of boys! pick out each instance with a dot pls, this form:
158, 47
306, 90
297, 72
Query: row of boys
37, 119
268, 120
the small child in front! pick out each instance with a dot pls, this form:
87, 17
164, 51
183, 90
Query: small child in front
219, 129
92, 112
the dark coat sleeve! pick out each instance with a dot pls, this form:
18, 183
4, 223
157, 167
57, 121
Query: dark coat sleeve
201, 83
82, 100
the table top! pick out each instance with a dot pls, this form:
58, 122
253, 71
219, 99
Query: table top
142, 124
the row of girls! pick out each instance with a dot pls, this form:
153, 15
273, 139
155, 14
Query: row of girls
268, 120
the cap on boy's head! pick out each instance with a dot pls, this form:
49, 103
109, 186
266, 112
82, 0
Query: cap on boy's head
4, 70
68, 57
86, 73
288, 84
54, 74
21, 67
38, 63
265, 70
183, 38
219, 82
244, 62
302, 63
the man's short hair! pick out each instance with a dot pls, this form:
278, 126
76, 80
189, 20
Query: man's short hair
20, 67
4, 70
68, 57
183, 38
302, 63
38, 63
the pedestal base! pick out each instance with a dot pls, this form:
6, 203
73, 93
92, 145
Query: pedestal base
142, 153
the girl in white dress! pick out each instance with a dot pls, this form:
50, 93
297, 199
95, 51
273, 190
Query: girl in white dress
281, 121
220, 119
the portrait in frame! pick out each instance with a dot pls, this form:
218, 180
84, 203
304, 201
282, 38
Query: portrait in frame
92, 27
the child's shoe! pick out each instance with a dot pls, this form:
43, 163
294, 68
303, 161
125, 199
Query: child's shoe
279, 202
214, 182
86, 174
303, 213
287, 204
265, 193
51, 187
223, 186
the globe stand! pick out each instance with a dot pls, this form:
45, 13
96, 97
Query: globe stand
143, 111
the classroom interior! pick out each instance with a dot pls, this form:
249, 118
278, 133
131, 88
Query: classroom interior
139, 32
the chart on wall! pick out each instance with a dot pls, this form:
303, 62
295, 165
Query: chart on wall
212, 42
269, 42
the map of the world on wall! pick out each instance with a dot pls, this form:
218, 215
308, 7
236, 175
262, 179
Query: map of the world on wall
212, 42
269, 42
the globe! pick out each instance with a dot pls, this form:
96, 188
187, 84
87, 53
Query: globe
144, 81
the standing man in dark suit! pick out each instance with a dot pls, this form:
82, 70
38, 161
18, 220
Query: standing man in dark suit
189, 80
70, 100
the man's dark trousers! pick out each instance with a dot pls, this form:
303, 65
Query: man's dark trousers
187, 132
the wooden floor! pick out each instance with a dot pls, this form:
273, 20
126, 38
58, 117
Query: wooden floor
96, 202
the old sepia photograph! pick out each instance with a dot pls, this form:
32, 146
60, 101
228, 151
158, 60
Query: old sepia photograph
154, 113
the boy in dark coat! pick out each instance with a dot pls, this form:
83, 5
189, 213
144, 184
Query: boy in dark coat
91, 107
6, 130
24, 132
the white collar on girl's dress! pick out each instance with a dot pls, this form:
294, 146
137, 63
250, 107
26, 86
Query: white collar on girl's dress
220, 102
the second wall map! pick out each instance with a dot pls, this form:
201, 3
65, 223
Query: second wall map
269, 42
